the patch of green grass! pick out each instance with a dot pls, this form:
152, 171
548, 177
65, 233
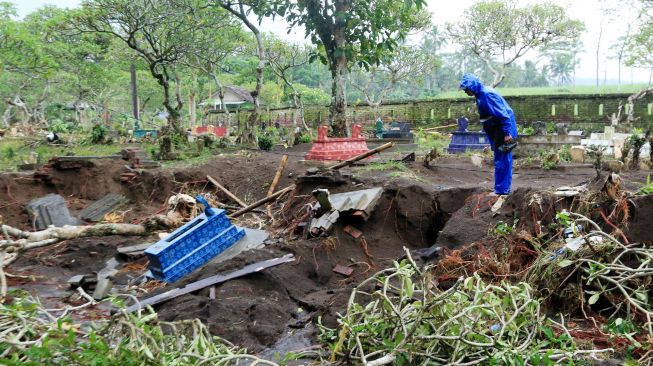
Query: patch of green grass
427, 141
553, 90
390, 165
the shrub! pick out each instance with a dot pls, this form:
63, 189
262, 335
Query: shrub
98, 133
265, 143
304, 139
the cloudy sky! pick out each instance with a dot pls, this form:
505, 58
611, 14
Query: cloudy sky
589, 11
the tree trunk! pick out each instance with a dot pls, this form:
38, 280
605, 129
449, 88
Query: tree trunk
338, 108
105, 112
192, 109
247, 135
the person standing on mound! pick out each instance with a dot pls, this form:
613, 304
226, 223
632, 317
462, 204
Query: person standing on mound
500, 126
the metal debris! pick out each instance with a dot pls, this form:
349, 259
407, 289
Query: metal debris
50, 210
213, 280
360, 203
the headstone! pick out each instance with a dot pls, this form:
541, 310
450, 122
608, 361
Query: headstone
577, 154
50, 210
539, 128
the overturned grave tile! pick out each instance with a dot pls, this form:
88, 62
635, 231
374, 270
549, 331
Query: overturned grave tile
95, 211
192, 245
50, 210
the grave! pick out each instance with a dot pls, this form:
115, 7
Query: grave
193, 244
463, 140
398, 130
337, 148
50, 210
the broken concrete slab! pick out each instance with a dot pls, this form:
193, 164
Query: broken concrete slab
345, 271
102, 289
95, 211
50, 210
109, 270
76, 281
355, 233
253, 239
137, 250
360, 202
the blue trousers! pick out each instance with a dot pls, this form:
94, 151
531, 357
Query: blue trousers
502, 160
502, 171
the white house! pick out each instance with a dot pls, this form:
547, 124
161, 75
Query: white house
234, 97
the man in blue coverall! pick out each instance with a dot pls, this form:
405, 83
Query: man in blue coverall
500, 126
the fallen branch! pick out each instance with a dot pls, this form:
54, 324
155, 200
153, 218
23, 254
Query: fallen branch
226, 191
361, 156
262, 201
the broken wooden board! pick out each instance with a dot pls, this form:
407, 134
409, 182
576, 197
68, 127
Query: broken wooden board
213, 280
95, 211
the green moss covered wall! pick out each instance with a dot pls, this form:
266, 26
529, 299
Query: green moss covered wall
589, 112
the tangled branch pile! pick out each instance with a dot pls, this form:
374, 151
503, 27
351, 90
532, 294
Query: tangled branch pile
617, 277
33, 335
399, 316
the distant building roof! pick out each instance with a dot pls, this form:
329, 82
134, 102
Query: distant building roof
233, 95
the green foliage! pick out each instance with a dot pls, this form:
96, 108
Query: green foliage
565, 153
9, 153
502, 31
98, 134
428, 141
646, 188
304, 138
60, 126
549, 159
128, 339
527, 131
265, 142
503, 229
407, 317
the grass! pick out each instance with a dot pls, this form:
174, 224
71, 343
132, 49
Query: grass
554, 90
398, 170
16, 151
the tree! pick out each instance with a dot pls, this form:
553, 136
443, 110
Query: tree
211, 52
406, 63
161, 32
494, 29
283, 60
241, 9
348, 32
24, 64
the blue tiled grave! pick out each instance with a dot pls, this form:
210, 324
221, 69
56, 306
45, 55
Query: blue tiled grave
192, 245
462, 140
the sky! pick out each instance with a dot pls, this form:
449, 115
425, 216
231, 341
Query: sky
588, 11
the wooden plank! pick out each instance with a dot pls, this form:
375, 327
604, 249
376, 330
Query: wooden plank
277, 175
262, 201
226, 191
209, 281
361, 156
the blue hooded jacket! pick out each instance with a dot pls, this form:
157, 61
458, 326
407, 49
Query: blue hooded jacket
491, 105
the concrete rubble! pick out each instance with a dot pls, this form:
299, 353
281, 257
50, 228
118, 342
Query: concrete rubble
331, 206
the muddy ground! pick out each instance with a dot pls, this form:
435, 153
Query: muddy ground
446, 204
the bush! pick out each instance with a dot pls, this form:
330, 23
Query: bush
304, 139
565, 153
98, 133
265, 143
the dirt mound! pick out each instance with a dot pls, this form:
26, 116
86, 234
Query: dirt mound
257, 310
